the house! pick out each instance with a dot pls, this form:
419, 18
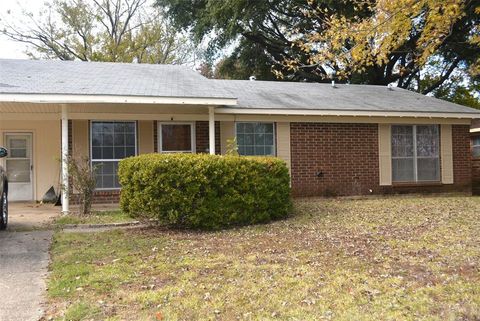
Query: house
336, 140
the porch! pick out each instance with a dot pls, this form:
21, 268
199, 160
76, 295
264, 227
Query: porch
41, 136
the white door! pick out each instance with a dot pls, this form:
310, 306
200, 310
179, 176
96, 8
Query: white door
19, 166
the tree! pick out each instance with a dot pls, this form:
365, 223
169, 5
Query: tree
100, 30
360, 41
396, 41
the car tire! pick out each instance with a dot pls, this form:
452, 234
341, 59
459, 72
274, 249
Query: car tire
4, 211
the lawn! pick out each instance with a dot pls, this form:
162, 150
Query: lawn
334, 259
97, 217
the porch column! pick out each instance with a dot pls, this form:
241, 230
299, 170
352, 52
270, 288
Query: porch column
65, 190
211, 129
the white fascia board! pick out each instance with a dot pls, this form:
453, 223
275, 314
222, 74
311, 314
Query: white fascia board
475, 130
100, 99
310, 112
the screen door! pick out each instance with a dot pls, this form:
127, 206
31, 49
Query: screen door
19, 166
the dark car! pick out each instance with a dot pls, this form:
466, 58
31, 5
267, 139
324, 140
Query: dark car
3, 193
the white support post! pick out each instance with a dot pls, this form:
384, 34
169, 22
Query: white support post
211, 129
65, 187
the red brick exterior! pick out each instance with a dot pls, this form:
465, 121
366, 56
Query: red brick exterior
342, 159
201, 137
334, 159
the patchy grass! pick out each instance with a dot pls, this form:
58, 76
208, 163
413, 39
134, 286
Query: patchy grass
100, 217
374, 259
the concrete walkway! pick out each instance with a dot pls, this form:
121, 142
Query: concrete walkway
24, 261
23, 269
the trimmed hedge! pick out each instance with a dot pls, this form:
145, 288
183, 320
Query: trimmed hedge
205, 191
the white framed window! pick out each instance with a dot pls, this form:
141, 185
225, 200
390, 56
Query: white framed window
476, 146
255, 138
415, 153
176, 137
110, 142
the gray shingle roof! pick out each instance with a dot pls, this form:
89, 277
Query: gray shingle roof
315, 96
120, 79
100, 78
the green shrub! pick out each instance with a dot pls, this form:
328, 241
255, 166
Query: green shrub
205, 191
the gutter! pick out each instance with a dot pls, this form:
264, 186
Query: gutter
354, 113
104, 99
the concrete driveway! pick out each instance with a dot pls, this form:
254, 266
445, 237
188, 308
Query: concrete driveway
24, 261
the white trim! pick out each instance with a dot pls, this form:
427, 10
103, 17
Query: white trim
310, 112
192, 134
77, 99
475, 130
260, 122
211, 130
64, 157
109, 160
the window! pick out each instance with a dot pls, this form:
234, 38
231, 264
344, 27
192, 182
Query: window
415, 151
476, 146
111, 141
176, 138
255, 139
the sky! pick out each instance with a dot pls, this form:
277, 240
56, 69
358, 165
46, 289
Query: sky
9, 48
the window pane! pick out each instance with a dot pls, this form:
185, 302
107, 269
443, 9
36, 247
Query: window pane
269, 150
428, 169
402, 170
129, 151
259, 150
106, 174
176, 138
18, 170
269, 139
402, 141
119, 152
427, 141
255, 138
249, 127
476, 151
107, 152
259, 139
111, 141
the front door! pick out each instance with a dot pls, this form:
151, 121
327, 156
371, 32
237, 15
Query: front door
19, 167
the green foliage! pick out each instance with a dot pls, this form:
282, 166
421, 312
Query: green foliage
104, 30
369, 42
205, 191
232, 147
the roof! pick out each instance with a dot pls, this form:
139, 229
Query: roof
321, 96
103, 78
77, 81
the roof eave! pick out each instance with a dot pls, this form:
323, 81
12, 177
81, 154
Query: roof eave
116, 99
317, 112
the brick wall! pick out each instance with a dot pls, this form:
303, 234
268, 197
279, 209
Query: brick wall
201, 136
334, 159
100, 197
346, 157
